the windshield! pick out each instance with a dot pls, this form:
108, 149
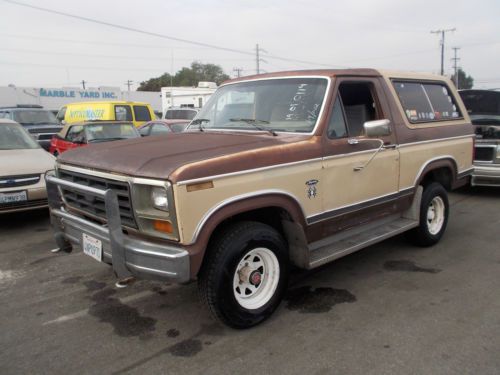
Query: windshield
14, 137
283, 105
110, 131
180, 114
482, 105
33, 117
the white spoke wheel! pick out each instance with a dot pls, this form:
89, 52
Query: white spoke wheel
256, 278
244, 275
434, 211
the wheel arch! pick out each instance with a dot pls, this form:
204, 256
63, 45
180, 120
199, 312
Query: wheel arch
442, 169
272, 208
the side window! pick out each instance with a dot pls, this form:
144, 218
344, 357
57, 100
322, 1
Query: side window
360, 105
336, 126
141, 113
159, 129
123, 113
5, 115
426, 101
75, 134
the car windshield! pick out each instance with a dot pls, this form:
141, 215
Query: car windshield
482, 105
281, 105
178, 127
180, 114
110, 131
14, 137
33, 117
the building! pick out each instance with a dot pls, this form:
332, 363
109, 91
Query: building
191, 97
54, 98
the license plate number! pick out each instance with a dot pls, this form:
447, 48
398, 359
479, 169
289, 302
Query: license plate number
92, 247
18, 196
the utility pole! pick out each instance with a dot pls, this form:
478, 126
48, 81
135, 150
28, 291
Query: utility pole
129, 83
257, 57
83, 83
238, 71
455, 66
442, 32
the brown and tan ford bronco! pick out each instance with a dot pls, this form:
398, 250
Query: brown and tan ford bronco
291, 169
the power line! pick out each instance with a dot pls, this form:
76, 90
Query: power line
163, 36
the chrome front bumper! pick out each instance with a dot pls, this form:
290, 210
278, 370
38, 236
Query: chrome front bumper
128, 256
486, 175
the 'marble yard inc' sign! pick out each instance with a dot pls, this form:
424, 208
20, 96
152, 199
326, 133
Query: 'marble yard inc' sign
77, 94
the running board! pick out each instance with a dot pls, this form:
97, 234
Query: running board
327, 250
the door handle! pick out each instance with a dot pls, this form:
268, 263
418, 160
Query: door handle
390, 146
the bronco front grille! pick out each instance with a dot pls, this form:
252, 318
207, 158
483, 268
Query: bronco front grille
93, 205
484, 153
19, 180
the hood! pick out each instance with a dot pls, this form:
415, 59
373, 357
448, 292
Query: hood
158, 157
21, 162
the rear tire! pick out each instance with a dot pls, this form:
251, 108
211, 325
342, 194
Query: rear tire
245, 274
434, 212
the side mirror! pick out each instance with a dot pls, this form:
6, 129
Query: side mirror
377, 128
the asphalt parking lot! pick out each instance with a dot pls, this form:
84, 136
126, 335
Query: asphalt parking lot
389, 309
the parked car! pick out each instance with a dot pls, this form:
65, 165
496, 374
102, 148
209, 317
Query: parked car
158, 127
277, 170
23, 164
136, 112
181, 113
40, 123
84, 133
484, 110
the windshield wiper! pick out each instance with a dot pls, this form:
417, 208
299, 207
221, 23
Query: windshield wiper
199, 121
254, 122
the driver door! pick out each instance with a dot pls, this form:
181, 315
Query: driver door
358, 189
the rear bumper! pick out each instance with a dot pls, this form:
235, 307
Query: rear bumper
486, 175
129, 256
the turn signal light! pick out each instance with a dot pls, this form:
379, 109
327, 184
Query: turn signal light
163, 226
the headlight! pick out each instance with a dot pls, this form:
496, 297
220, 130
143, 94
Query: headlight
154, 208
498, 151
159, 198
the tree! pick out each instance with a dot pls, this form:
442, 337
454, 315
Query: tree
464, 81
186, 77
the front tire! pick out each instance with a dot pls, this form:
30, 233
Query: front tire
245, 274
434, 212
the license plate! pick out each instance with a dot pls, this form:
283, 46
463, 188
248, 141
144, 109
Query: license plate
92, 247
18, 196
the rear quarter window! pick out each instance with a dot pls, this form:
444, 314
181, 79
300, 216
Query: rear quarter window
425, 102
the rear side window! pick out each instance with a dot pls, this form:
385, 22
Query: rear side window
141, 113
123, 113
427, 101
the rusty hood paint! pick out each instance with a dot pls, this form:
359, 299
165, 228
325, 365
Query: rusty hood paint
159, 157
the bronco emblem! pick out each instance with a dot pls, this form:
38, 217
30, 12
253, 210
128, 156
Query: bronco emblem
311, 190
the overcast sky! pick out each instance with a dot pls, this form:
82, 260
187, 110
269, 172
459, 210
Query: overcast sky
49, 50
